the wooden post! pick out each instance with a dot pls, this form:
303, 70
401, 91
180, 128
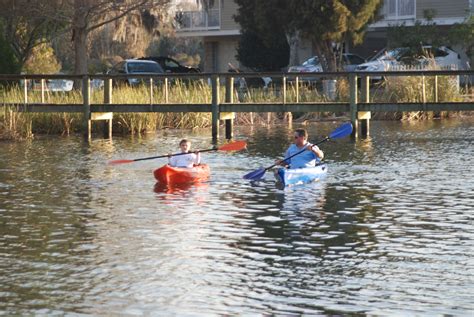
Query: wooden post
364, 116
423, 89
229, 98
297, 82
288, 115
86, 106
215, 107
108, 100
25, 90
151, 91
435, 88
43, 87
166, 90
353, 103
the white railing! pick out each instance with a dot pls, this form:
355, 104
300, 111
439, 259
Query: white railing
398, 9
198, 20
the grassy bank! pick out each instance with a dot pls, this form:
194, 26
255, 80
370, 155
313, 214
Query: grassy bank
15, 125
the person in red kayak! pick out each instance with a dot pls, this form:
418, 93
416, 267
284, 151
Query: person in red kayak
308, 158
185, 160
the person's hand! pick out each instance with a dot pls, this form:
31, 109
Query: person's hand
309, 148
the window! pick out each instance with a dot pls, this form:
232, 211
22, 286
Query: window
398, 9
171, 64
137, 67
354, 59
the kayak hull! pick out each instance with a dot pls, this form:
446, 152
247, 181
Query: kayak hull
290, 177
180, 175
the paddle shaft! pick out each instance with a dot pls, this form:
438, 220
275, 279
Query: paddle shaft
161, 156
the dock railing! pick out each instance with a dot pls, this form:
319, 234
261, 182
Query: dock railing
222, 102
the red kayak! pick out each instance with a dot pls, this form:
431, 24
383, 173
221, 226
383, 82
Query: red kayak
178, 175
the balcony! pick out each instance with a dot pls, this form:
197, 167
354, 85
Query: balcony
188, 21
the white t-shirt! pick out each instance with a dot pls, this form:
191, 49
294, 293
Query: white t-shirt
185, 160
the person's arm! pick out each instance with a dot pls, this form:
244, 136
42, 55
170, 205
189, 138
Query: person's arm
316, 150
197, 161
171, 160
284, 162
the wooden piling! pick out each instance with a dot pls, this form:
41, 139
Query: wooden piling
86, 103
229, 98
353, 103
365, 116
215, 107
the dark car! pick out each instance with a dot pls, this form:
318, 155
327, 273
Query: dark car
171, 65
134, 66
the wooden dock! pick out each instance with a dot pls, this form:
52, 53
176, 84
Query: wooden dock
358, 105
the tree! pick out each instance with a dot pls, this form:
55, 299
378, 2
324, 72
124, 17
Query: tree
42, 61
262, 46
31, 23
27, 24
89, 15
8, 62
327, 23
268, 20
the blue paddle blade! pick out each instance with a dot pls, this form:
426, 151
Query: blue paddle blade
255, 175
342, 131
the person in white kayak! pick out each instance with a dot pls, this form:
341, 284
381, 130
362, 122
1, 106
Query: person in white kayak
308, 158
185, 160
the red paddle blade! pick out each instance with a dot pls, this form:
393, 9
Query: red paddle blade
233, 146
120, 162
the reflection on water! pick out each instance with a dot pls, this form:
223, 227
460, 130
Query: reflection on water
389, 231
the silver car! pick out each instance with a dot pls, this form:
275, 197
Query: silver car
397, 58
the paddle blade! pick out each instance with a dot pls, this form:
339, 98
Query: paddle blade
120, 162
233, 146
342, 131
255, 175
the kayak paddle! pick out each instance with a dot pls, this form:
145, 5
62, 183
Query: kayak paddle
233, 146
342, 131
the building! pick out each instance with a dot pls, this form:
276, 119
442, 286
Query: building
220, 33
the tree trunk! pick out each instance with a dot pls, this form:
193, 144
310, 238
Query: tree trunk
79, 36
293, 38
80, 51
326, 55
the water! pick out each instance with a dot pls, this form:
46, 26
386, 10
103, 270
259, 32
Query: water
388, 232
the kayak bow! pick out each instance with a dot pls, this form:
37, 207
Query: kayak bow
290, 177
178, 175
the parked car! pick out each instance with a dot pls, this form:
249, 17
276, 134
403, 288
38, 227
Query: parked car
312, 65
387, 60
171, 65
135, 66
50, 84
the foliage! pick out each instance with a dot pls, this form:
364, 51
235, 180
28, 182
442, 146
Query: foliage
271, 57
429, 32
42, 61
28, 24
463, 34
418, 34
329, 22
8, 62
262, 33
324, 23
186, 50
